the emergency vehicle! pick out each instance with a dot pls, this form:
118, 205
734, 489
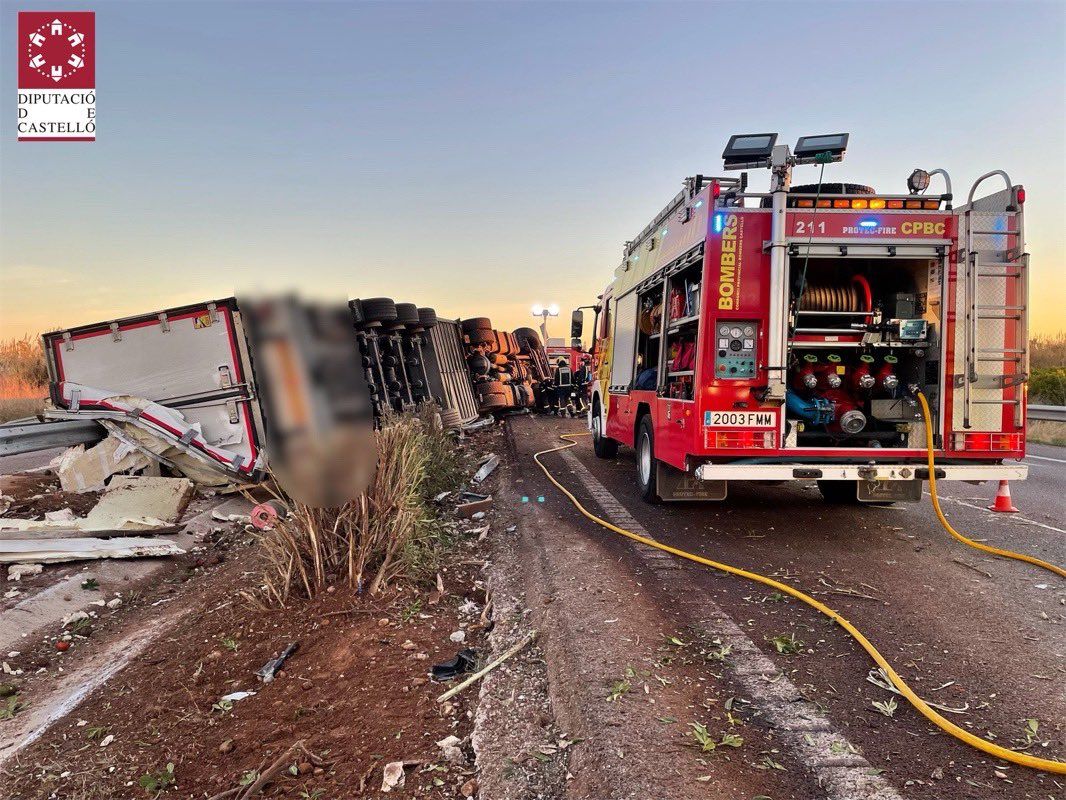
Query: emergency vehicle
786, 335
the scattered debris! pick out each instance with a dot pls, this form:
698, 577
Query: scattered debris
486, 670
392, 777
267, 672
17, 572
81, 470
451, 751
878, 678
488, 464
44, 550
128, 504
233, 697
470, 504
458, 637
464, 661
479, 424
266, 515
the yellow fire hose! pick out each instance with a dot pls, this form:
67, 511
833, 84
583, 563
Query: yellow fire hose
1013, 756
927, 416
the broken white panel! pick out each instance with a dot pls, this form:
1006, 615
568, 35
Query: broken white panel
133, 501
45, 551
82, 470
129, 503
239, 459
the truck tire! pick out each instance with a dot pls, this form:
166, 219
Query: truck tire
495, 400
490, 387
478, 365
476, 324
647, 479
379, 309
839, 493
480, 336
427, 317
602, 446
527, 339
407, 313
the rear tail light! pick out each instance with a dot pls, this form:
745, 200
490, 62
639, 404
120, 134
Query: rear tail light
741, 440
1019, 195
805, 204
841, 204
895, 204
912, 203
931, 204
860, 203
823, 204
988, 442
877, 203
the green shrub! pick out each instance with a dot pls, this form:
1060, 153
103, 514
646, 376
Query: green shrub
1047, 385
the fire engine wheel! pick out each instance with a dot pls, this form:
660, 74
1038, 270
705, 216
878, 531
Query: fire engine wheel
602, 446
839, 493
379, 309
646, 465
427, 317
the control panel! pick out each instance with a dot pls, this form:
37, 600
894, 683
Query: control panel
735, 349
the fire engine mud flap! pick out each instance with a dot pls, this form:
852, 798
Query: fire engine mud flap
889, 491
675, 485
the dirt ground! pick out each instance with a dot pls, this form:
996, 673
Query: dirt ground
629, 689
356, 693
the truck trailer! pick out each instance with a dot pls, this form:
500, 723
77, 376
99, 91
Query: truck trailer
787, 335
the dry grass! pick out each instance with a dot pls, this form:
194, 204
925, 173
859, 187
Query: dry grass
22, 368
19, 407
387, 532
1048, 351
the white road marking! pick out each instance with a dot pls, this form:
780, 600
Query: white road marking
1046, 458
1013, 517
837, 766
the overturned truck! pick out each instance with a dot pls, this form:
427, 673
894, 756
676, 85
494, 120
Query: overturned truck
205, 388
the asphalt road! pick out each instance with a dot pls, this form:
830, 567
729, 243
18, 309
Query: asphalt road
971, 631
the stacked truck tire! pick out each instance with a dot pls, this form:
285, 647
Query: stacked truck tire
392, 338
507, 369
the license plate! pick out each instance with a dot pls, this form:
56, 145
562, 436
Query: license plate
739, 419
889, 491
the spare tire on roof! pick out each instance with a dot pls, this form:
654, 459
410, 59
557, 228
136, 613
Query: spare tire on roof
826, 190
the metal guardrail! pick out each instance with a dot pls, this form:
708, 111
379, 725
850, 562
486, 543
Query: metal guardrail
1049, 413
27, 437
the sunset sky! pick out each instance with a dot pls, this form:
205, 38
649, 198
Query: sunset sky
480, 157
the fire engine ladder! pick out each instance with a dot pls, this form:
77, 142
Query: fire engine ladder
996, 290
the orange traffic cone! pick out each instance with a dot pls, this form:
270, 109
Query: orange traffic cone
1003, 502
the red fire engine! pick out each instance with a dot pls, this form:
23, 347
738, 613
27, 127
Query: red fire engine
786, 335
